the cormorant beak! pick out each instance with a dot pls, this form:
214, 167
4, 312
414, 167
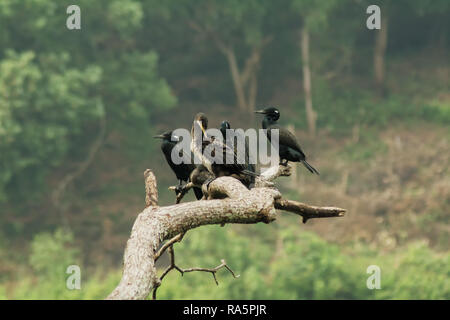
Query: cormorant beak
260, 111
201, 127
159, 136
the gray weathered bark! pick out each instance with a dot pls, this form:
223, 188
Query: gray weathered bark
156, 224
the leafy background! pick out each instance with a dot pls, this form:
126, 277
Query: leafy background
78, 110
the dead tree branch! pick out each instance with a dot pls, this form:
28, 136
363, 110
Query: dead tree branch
230, 202
151, 191
307, 211
172, 266
168, 244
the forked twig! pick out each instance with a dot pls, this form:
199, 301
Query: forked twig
172, 266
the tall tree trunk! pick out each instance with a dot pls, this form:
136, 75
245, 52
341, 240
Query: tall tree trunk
245, 81
379, 56
311, 115
236, 77
253, 92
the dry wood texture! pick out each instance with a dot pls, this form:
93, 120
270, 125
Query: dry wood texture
229, 201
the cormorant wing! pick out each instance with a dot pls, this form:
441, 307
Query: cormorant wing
228, 152
286, 138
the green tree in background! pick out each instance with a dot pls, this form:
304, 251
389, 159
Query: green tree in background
314, 16
237, 29
392, 11
78, 109
53, 91
43, 104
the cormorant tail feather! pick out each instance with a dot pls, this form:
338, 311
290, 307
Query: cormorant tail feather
310, 167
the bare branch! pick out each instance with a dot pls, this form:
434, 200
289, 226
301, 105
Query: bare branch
271, 174
307, 211
231, 202
172, 266
213, 271
168, 244
151, 189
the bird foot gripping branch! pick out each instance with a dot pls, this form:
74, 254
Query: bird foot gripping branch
229, 202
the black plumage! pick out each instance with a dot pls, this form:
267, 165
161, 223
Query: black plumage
201, 141
183, 170
289, 149
224, 126
200, 175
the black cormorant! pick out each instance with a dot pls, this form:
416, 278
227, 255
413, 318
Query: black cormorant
224, 126
201, 141
289, 149
182, 170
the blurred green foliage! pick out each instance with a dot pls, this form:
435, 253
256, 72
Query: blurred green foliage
299, 265
43, 104
55, 84
141, 66
357, 107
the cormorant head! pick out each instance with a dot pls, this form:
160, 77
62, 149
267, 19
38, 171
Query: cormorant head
225, 125
270, 112
201, 121
167, 136
223, 128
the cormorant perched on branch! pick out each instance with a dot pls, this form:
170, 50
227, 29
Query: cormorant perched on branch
224, 126
182, 170
200, 143
289, 149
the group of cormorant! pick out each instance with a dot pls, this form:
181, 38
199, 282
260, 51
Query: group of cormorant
209, 169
